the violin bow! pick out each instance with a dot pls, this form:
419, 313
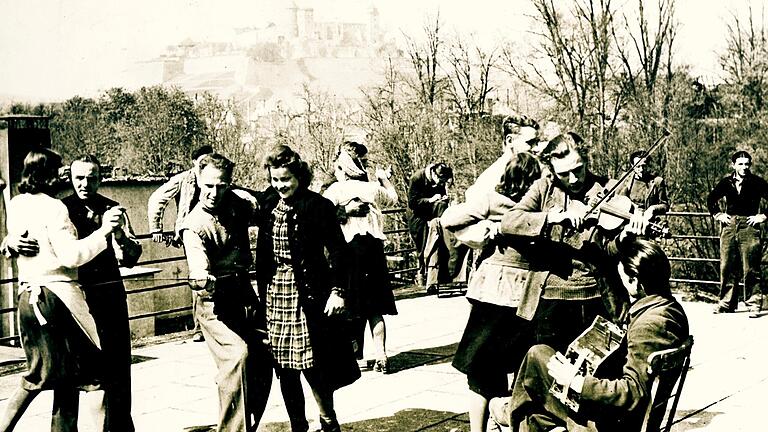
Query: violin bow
665, 134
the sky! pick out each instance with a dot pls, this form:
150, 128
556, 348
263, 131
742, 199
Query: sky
54, 49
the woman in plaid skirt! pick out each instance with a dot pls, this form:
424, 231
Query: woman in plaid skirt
304, 291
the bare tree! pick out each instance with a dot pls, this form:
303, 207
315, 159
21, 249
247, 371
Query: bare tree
469, 71
745, 61
574, 65
424, 57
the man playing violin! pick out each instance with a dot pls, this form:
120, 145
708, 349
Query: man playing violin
571, 276
647, 191
740, 235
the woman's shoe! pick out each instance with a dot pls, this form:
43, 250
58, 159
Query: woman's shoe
381, 366
365, 365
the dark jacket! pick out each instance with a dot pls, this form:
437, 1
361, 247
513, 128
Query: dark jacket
318, 255
105, 267
419, 192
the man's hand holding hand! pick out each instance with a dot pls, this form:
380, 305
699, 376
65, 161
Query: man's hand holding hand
723, 218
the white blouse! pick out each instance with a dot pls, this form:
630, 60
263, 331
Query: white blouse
46, 220
371, 192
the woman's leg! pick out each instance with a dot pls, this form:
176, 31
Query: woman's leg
478, 412
96, 405
293, 397
17, 404
323, 395
379, 335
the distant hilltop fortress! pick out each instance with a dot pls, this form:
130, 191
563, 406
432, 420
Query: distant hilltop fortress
300, 31
264, 66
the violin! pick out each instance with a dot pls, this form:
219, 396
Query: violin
612, 213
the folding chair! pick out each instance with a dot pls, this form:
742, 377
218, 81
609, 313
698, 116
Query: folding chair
668, 368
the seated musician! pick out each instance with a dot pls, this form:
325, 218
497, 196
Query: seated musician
617, 399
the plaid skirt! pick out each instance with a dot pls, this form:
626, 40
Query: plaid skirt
287, 323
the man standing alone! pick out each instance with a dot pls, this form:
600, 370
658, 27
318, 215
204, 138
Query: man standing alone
740, 235
104, 290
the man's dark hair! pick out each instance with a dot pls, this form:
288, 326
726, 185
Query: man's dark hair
40, 171
442, 171
741, 154
88, 158
512, 124
639, 154
646, 261
561, 145
282, 156
219, 162
200, 151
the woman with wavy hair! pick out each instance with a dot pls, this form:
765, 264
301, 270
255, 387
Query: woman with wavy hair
304, 291
495, 338
58, 332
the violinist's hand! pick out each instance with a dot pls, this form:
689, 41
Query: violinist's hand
637, 225
334, 305
574, 218
756, 219
723, 218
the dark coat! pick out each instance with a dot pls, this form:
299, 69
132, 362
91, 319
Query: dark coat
319, 261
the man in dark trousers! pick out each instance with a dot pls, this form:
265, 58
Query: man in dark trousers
740, 236
215, 237
104, 290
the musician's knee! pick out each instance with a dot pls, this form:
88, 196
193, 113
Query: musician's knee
540, 352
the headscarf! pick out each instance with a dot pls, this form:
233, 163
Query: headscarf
347, 168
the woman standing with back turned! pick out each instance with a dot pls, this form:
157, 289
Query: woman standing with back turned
57, 329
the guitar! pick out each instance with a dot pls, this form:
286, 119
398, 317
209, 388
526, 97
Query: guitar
586, 353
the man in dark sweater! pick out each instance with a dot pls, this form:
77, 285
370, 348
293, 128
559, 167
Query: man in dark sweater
104, 291
216, 241
740, 235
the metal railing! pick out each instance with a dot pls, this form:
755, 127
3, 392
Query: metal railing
395, 233
154, 286
695, 282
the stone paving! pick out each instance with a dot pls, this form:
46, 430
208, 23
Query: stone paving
174, 381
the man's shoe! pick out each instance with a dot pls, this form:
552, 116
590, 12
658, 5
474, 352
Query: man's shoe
721, 310
497, 408
198, 337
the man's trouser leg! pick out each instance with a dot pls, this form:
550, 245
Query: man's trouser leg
751, 255
729, 253
115, 333
531, 402
230, 352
